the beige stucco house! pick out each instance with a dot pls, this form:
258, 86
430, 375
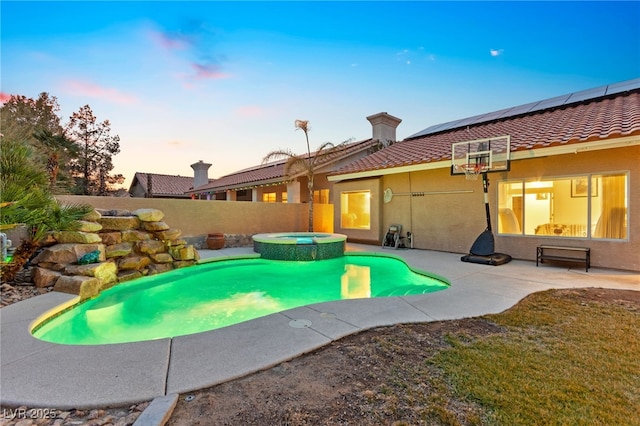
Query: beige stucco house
155, 185
269, 183
574, 180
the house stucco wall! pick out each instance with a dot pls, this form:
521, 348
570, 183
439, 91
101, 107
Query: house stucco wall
451, 222
438, 220
137, 190
616, 254
372, 235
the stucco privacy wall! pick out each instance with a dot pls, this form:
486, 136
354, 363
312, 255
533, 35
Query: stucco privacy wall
196, 218
451, 222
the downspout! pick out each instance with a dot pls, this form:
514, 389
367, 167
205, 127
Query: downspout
411, 211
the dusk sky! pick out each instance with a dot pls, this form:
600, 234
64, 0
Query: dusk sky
223, 82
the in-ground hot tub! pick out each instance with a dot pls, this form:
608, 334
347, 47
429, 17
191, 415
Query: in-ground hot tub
303, 246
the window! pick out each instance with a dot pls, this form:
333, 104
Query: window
355, 210
268, 197
243, 195
609, 206
321, 196
284, 197
588, 206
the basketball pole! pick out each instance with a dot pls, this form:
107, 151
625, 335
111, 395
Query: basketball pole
484, 245
485, 188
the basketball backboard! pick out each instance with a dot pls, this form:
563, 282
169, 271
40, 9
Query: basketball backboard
481, 155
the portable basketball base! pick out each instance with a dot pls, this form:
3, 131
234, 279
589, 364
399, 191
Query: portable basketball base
482, 250
473, 158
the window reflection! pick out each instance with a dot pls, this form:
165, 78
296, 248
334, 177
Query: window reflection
576, 207
355, 210
356, 282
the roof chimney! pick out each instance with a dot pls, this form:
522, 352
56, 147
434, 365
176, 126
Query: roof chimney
200, 173
384, 126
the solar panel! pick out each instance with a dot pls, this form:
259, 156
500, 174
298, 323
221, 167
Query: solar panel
521, 109
623, 86
552, 102
587, 94
467, 121
557, 101
491, 115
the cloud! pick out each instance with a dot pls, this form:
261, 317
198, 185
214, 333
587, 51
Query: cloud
402, 56
84, 88
168, 41
496, 52
191, 44
208, 71
4, 97
418, 56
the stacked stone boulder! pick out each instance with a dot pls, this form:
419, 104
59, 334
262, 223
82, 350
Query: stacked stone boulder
128, 245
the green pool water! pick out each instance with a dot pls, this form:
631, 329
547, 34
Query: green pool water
223, 293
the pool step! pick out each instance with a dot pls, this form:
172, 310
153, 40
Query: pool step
405, 290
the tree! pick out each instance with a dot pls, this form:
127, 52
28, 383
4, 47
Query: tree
25, 199
300, 164
55, 146
95, 148
21, 117
36, 123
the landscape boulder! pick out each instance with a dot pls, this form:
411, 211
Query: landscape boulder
85, 287
149, 215
45, 277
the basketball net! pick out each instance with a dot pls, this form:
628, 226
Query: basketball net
471, 171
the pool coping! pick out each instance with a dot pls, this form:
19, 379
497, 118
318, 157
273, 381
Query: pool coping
41, 374
289, 238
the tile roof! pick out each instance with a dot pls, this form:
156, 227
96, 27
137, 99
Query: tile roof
597, 119
273, 173
253, 175
571, 98
164, 184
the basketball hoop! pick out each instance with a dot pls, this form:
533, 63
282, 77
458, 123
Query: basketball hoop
471, 171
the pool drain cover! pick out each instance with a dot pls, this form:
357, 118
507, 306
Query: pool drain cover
300, 323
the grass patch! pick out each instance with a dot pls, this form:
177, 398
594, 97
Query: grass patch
561, 357
563, 360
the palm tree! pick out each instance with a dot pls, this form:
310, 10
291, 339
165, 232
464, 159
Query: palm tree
300, 164
54, 145
25, 199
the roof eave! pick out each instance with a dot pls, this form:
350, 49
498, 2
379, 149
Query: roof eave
573, 148
240, 186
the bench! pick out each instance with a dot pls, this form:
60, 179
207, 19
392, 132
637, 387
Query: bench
561, 253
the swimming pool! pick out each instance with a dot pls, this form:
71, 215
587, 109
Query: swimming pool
226, 292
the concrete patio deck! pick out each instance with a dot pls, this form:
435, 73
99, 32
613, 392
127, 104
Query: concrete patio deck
41, 374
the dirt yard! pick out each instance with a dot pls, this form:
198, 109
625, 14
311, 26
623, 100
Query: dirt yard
349, 381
